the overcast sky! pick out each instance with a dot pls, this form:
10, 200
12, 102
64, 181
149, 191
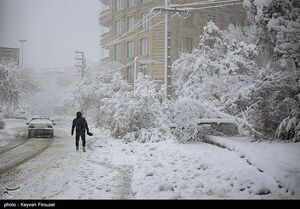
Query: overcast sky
53, 30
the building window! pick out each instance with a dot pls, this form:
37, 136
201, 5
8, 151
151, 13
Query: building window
144, 1
118, 53
144, 19
211, 18
188, 44
130, 75
144, 69
130, 3
118, 28
119, 4
129, 49
189, 19
130, 22
144, 47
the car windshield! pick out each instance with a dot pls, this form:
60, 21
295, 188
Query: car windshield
40, 118
40, 121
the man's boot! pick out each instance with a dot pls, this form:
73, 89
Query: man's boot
83, 148
77, 149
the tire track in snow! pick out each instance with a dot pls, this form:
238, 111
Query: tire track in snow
23, 153
242, 156
20, 140
17, 176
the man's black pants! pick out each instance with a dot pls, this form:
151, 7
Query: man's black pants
82, 138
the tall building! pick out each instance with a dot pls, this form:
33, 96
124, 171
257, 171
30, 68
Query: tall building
9, 56
133, 31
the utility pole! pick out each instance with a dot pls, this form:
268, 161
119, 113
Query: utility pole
168, 45
168, 8
82, 60
134, 73
168, 57
22, 48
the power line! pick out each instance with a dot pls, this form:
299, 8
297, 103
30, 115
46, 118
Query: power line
171, 9
203, 3
209, 7
138, 24
118, 69
153, 26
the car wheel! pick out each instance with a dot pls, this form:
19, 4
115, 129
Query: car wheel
29, 134
52, 135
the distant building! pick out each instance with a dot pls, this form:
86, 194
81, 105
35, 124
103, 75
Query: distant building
147, 41
9, 56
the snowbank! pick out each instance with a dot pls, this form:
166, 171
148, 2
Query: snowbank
11, 129
168, 170
278, 160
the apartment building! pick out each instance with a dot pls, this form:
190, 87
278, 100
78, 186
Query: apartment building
124, 41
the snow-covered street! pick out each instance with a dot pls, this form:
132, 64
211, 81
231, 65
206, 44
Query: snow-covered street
115, 169
149, 99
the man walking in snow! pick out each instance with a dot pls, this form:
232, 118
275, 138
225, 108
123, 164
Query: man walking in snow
81, 125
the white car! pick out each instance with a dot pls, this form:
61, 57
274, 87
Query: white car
40, 126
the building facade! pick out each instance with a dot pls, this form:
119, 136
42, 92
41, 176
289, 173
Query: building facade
133, 31
9, 56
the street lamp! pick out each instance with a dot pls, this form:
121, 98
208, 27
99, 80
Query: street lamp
22, 48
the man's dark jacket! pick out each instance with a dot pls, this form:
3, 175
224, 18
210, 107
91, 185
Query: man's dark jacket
81, 125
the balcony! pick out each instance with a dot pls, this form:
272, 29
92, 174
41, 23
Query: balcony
105, 18
106, 60
105, 2
105, 38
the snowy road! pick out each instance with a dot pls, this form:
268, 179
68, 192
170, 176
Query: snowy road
114, 169
60, 172
21, 153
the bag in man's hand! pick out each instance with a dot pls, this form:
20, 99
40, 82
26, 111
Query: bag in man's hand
90, 134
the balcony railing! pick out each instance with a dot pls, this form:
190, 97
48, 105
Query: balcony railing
105, 38
106, 2
105, 18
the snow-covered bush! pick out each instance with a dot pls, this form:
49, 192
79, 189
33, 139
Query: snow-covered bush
279, 27
15, 84
2, 124
187, 112
276, 100
98, 84
231, 71
111, 102
221, 71
139, 112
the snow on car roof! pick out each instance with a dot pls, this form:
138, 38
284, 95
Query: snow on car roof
40, 121
39, 116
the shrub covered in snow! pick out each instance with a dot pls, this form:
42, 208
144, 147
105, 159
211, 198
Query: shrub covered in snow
276, 99
275, 103
186, 114
230, 74
220, 72
2, 124
101, 83
139, 112
15, 84
279, 26
110, 101
217, 77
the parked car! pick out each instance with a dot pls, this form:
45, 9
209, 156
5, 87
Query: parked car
40, 126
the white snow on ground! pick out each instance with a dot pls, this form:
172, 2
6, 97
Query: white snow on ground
168, 170
11, 129
277, 159
114, 169
62, 173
